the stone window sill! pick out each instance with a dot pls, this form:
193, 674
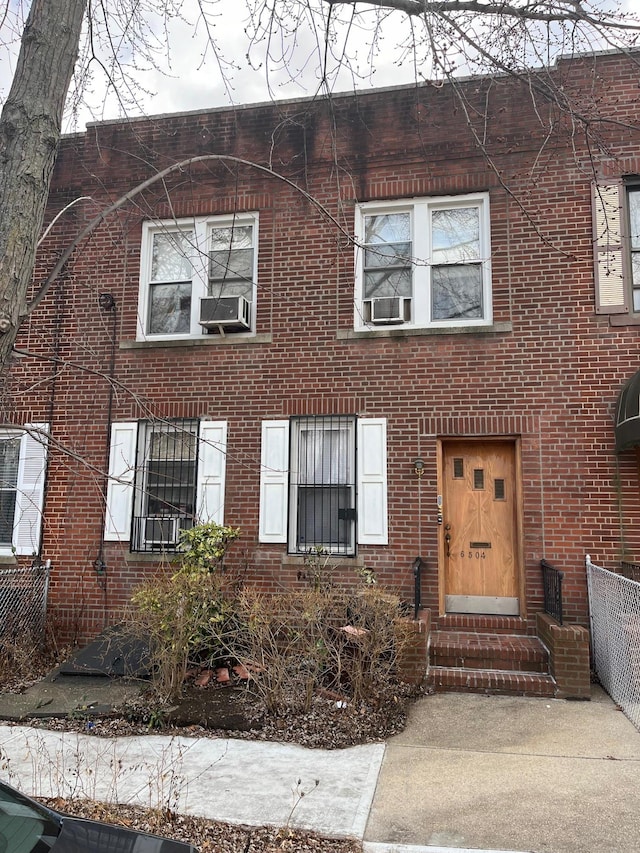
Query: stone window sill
205, 340
352, 335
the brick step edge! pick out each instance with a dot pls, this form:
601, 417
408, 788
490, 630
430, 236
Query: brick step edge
488, 651
486, 661
491, 681
481, 623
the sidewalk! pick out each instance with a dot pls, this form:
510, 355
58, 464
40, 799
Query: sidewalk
469, 772
510, 773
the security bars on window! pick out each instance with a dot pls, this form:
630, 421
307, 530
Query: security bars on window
323, 485
165, 484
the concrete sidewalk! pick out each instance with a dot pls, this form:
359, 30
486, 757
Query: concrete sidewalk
510, 773
469, 772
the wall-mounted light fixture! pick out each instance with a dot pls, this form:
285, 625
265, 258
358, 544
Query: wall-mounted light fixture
106, 302
418, 467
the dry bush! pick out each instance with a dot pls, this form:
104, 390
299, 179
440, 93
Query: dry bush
26, 656
344, 644
184, 619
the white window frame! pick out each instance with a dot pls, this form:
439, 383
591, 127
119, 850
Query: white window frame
421, 210
30, 485
201, 228
210, 484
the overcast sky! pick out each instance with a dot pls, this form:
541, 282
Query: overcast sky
196, 78
189, 76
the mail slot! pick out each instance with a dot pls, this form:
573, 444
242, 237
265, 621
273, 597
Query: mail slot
479, 544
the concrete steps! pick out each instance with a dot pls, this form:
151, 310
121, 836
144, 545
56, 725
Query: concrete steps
489, 662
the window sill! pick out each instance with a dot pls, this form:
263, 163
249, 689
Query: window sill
168, 557
332, 561
8, 560
624, 319
204, 340
353, 335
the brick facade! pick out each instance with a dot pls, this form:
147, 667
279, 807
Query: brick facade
546, 373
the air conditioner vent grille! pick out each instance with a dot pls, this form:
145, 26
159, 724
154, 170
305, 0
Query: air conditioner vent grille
387, 310
228, 312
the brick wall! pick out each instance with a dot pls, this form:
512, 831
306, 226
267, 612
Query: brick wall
547, 374
568, 647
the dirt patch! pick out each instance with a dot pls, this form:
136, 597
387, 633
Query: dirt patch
232, 711
208, 836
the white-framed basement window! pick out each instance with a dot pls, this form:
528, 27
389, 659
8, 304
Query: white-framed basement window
164, 476
323, 483
198, 277
23, 463
423, 262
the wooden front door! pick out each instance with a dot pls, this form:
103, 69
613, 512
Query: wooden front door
480, 549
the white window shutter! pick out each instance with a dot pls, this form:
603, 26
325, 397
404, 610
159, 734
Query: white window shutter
122, 467
30, 489
372, 481
611, 295
274, 481
212, 467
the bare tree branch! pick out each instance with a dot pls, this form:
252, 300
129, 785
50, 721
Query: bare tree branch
548, 12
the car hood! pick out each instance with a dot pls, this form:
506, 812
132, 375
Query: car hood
86, 836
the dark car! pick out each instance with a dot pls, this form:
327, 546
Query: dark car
26, 826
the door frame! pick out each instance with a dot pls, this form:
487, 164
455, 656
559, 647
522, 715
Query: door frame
515, 442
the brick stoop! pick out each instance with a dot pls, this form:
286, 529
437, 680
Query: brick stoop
489, 663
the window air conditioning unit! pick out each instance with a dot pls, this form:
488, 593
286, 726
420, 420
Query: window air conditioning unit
388, 310
228, 312
161, 532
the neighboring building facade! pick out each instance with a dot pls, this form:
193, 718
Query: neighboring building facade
353, 330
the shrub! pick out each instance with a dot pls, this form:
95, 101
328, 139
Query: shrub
203, 547
340, 642
345, 642
183, 617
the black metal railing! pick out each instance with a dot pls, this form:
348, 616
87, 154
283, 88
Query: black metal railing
631, 571
552, 584
323, 483
418, 566
158, 533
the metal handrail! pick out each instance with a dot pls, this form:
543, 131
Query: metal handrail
418, 565
552, 585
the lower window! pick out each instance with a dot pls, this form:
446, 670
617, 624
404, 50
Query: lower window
323, 485
164, 476
165, 485
9, 461
23, 458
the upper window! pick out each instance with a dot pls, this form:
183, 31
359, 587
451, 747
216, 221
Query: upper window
633, 196
198, 277
616, 241
423, 262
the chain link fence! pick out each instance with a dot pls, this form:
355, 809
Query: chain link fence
23, 602
614, 606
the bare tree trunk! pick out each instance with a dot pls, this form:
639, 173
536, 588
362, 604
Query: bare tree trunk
29, 134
